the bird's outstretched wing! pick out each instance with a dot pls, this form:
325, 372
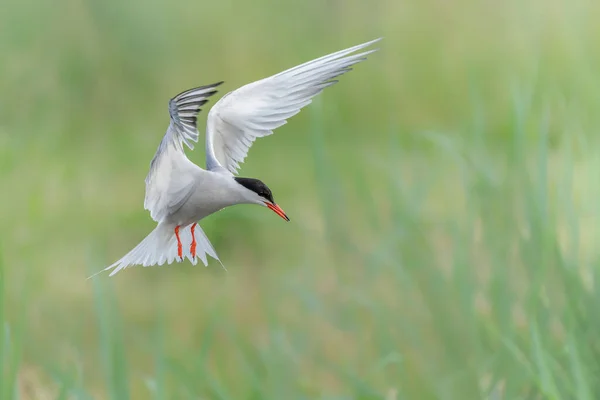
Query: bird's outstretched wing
256, 109
169, 180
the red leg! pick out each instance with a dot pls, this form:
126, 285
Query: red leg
179, 247
193, 246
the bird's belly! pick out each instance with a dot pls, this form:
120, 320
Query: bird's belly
197, 207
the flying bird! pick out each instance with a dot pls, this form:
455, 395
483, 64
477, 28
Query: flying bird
179, 193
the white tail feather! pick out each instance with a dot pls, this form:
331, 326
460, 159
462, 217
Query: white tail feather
160, 246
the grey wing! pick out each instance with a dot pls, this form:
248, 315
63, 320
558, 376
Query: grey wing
258, 108
170, 179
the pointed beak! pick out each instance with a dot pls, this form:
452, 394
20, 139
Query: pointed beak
277, 210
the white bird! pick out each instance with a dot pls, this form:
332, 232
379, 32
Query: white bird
179, 193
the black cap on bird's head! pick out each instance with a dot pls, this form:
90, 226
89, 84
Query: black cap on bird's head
263, 191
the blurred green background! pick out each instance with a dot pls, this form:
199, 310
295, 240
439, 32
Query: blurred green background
443, 199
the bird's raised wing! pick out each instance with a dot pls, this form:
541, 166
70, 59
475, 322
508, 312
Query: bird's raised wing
256, 109
169, 180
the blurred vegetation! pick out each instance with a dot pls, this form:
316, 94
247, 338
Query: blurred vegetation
443, 199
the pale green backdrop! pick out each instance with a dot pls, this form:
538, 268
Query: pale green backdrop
443, 201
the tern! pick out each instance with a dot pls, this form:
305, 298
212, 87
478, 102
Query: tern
179, 193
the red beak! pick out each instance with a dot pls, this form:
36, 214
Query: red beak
277, 210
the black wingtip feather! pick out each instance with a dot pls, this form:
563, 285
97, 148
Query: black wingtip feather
185, 93
193, 98
192, 103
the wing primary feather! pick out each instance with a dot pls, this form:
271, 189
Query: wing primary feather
187, 103
184, 109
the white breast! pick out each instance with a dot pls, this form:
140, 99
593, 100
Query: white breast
211, 192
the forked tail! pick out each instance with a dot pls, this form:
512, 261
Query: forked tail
161, 246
